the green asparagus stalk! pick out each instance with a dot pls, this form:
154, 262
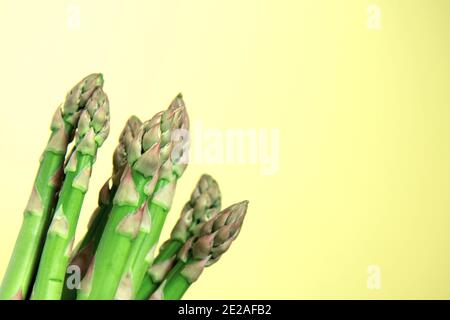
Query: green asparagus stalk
214, 238
38, 213
143, 247
130, 213
85, 250
204, 204
92, 130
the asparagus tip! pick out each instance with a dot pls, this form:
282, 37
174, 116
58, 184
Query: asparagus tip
177, 102
240, 208
79, 95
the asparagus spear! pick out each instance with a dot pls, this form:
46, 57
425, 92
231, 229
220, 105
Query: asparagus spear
38, 213
143, 247
151, 147
92, 130
204, 204
214, 238
84, 252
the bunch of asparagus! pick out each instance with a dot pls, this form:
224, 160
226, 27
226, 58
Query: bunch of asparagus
115, 259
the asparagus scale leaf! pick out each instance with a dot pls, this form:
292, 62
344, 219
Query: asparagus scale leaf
204, 204
92, 131
130, 213
84, 252
38, 213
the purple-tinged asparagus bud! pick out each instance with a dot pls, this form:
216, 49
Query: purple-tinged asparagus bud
92, 130
93, 125
156, 132
67, 115
150, 154
128, 134
203, 205
80, 94
213, 240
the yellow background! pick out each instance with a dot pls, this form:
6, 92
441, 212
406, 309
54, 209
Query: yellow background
363, 117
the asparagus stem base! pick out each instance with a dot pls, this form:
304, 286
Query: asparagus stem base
28, 247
